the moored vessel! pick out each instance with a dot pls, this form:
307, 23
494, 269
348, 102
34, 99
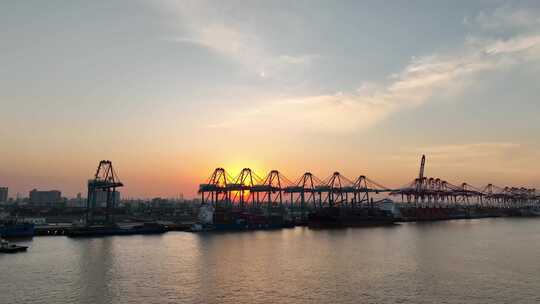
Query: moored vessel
113, 229
240, 219
12, 229
335, 217
6, 247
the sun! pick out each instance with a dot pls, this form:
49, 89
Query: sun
233, 169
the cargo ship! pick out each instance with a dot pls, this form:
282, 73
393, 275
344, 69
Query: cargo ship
238, 219
421, 213
14, 229
335, 217
113, 229
410, 214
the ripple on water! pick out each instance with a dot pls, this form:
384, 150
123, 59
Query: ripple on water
480, 261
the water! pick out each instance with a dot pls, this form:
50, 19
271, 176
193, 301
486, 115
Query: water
474, 261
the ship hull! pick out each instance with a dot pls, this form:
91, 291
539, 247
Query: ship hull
17, 230
93, 231
229, 219
243, 226
343, 218
13, 249
419, 214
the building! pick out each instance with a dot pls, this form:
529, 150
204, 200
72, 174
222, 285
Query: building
159, 202
45, 198
3, 194
78, 202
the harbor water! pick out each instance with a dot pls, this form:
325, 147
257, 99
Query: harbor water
461, 261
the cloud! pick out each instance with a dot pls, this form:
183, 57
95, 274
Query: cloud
220, 38
213, 30
413, 86
505, 18
420, 80
513, 45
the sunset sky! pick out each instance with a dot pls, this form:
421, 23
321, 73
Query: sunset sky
169, 90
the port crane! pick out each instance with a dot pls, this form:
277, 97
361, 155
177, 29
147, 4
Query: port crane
105, 180
248, 190
436, 192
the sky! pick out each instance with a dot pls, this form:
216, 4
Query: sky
170, 90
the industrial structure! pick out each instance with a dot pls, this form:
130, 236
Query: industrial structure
248, 190
105, 180
436, 192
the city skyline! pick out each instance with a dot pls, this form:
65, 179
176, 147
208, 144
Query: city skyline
169, 91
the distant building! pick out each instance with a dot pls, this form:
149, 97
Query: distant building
3, 194
45, 198
159, 202
78, 202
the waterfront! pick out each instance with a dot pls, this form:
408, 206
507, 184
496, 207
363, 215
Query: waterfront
475, 261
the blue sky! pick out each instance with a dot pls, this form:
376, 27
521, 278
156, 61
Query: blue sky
169, 90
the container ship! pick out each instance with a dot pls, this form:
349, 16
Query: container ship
419, 213
335, 217
114, 229
237, 219
410, 214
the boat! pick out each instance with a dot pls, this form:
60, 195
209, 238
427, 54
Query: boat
113, 229
240, 219
439, 213
12, 229
6, 247
335, 217
535, 212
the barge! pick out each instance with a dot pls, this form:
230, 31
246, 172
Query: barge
113, 229
6, 247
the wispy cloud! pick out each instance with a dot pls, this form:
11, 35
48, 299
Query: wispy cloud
504, 18
343, 111
411, 87
517, 44
207, 28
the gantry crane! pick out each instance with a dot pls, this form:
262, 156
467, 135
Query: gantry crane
105, 180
